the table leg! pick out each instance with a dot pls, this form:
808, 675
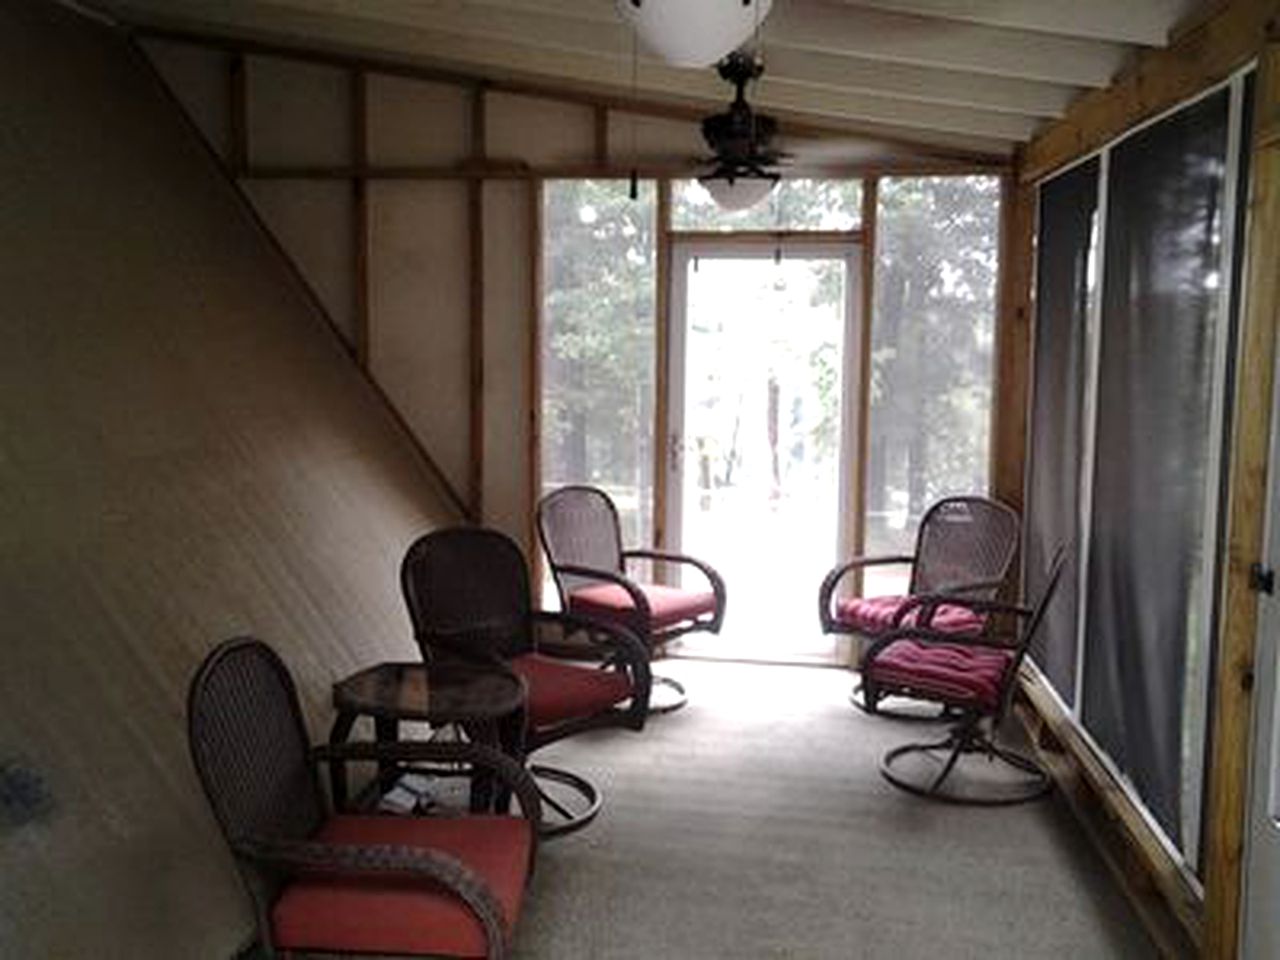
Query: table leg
341, 729
386, 730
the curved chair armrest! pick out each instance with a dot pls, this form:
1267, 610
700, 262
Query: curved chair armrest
952, 595
512, 774
838, 573
620, 646
305, 856
638, 600
713, 577
929, 602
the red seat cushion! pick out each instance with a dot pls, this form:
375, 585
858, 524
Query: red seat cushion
667, 605
875, 615
967, 676
399, 914
559, 691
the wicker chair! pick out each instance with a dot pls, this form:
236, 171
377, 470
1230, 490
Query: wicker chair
964, 547
580, 532
468, 595
345, 882
973, 675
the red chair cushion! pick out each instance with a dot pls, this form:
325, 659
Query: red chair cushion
667, 605
398, 915
559, 691
967, 676
874, 615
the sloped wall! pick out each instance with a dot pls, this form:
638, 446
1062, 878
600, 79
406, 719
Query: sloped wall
186, 453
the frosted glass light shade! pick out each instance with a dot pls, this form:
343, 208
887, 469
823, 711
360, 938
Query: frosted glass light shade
740, 193
693, 33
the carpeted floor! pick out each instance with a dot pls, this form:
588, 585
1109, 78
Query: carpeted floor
754, 824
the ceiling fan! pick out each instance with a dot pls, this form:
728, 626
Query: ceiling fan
741, 139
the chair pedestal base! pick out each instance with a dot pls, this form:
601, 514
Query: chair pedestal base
569, 801
670, 701
995, 775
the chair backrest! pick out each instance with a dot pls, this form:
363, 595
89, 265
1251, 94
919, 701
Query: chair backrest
250, 745
467, 589
579, 527
964, 540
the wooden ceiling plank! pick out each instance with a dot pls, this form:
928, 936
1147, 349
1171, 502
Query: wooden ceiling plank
1158, 80
491, 59
1143, 22
508, 20
849, 30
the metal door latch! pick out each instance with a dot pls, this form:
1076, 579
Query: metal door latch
1262, 579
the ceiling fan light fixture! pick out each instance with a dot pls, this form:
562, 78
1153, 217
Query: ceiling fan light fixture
741, 141
693, 33
733, 193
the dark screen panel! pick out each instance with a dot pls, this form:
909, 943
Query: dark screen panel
1064, 248
1160, 320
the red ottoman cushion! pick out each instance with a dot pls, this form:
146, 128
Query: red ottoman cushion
668, 605
559, 691
372, 914
876, 615
951, 672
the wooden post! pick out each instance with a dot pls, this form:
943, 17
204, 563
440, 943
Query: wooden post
662, 368
238, 83
1228, 818
862, 432
360, 217
601, 116
1012, 360
535, 377
475, 347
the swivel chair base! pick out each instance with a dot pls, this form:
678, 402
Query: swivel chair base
997, 776
568, 807
670, 702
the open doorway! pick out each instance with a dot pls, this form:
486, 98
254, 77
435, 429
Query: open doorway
762, 335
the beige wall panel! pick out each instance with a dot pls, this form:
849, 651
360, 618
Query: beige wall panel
538, 131
415, 122
312, 221
187, 453
508, 325
656, 139
297, 113
200, 78
419, 310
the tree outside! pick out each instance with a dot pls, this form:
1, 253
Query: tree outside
932, 338
598, 343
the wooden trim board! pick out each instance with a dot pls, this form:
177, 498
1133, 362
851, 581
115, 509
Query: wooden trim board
1203, 54
1232, 730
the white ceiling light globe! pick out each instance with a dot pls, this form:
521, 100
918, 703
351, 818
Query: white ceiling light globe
742, 193
693, 33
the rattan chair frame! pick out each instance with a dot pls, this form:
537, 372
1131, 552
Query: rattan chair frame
976, 729
519, 629
922, 583
267, 854
563, 573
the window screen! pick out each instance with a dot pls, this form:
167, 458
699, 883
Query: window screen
1147, 620
1064, 291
